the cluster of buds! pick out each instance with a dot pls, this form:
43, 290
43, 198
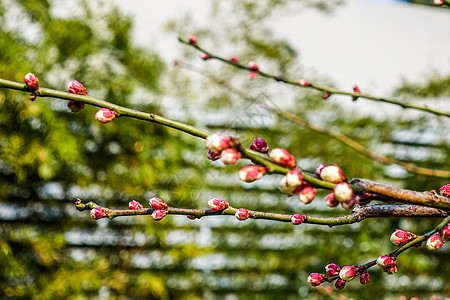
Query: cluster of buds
221, 145
292, 183
216, 204
445, 190
242, 214
32, 84
343, 275
400, 237
135, 205
255, 69
251, 173
160, 208
387, 263
342, 191
98, 213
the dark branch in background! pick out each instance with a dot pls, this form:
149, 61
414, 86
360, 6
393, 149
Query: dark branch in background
316, 86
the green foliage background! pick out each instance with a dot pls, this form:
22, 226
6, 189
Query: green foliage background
49, 157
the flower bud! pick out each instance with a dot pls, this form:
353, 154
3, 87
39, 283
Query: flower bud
347, 273
260, 145
288, 190
392, 269
282, 157
31, 81
253, 66
135, 205
294, 178
438, 2
242, 214
303, 82
191, 217
297, 219
364, 278
445, 190
216, 204
75, 106
319, 169
340, 284
316, 279
385, 261
445, 233
105, 115
331, 201
251, 173
212, 156
76, 87
331, 174
158, 204
204, 56
343, 192
193, 40
98, 213
217, 142
434, 242
363, 199
326, 95
307, 194
332, 269
253, 75
400, 237
230, 156
349, 204
234, 59
356, 89
158, 214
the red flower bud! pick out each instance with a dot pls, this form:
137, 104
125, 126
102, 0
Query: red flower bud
212, 156
294, 178
297, 219
343, 192
282, 157
253, 66
332, 269
157, 203
98, 213
75, 106
105, 115
392, 269
204, 56
216, 204
331, 201
303, 82
158, 214
191, 217
251, 173
400, 237
76, 87
242, 214
230, 156
331, 174
445, 233
340, 284
253, 75
385, 261
364, 278
31, 81
347, 273
193, 40
349, 204
307, 194
434, 242
438, 2
445, 190
356, 89
260, 145
316, 279
326, 95
217, 142
135, 205
234, 59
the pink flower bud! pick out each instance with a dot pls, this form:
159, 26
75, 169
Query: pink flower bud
253, 66
135, 205
307, 194
385, 261
75, 106
288, 190
438, 2
158, 204
76, 87
319, 169
230, 156
364, 278
340, 284
212, 156
158, 214
193, 40
31, 81
253, 75
282, 157
400, 237
242, 214
332, 269
98, 213
434, 242
217, 142
191, 217
260, 145
445, 190
216, 204
204, 56
326, 95
294, 178
332, 174
234, 59
331, 201
445, 233
105, 115
251, 173
343, 192
364, 199
356, 89
303, 82
297, 219
347, 273
316, 279
349, 204
392, 269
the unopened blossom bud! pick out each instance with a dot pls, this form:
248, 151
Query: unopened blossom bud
294, 178
340, 284
297, 219
76, 87
364, 278
204, 56
217, 142
434, 242
303, 82
438, 2
191, 217
234, 59
253, 66
332, 269
158, 214
356, 89
251, 173
319, 169
331, 201
212, 156
193, 40
385, 261
445, 233
445, 190
326, 95
260, 145
31, 81
288, 190
400, 237
343, 191
307, 194
216, 204
331, 174
282, 157
157, 203
98, 213
253, 75
392, 269
315, 279
75, 106
242, 214
135, 205
105, 115
364, 199
230, 156
348, 273
349, 204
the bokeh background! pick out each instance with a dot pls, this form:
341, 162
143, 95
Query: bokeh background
123, 51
